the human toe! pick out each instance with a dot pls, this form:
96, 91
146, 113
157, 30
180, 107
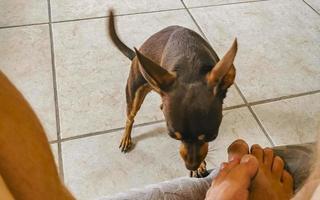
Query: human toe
237, 149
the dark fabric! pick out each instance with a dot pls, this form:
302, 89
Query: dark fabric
298, 159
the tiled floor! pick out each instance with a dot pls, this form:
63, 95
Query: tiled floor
58, 54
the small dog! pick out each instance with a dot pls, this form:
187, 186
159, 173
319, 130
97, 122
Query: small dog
186, 72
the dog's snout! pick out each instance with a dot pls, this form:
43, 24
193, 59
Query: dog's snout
193, 154
192, 166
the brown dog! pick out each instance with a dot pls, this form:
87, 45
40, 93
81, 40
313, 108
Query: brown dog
182, 67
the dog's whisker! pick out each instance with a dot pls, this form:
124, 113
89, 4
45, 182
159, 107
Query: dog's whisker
212, 150
172, 155
212, 156
209, 157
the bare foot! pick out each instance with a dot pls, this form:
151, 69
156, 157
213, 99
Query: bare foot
271, 181
234, 177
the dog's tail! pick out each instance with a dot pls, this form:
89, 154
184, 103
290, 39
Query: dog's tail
116, 41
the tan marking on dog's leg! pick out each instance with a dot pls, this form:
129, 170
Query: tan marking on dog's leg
178, 135
140, 95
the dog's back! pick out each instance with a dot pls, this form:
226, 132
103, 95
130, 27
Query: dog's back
185, 52
175, 48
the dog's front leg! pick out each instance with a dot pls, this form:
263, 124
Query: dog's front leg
134, 103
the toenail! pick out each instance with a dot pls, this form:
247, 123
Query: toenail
241, 141
247, 158
255, 146
235, 158
267, 149
223, 165
279, 159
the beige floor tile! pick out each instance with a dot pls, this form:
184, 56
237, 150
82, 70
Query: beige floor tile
277, 54
92, 73
94, 166
233, 98
54, 149
193, 3
315, 4
237, 123
26, 59
291, 121
73, 9
15, 12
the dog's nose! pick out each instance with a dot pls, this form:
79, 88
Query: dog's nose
192, 166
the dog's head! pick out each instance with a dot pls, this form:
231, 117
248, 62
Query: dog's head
193, 112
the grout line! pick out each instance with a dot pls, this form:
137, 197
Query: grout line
193, 19
110, 131
283, 98
53, 142
23, 25
134, 126
54, 79
88, 18
234, 107
118, 15
91, 134
225, 4
247, 104
80, 19
255, 116
311, 7
125, 14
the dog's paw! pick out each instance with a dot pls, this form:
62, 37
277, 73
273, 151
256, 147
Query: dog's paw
125, 144
201, 172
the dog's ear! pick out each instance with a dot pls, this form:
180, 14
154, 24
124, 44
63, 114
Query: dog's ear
159, 78
223, 73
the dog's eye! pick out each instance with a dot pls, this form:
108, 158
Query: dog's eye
175, 135
201, 137
210, 138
